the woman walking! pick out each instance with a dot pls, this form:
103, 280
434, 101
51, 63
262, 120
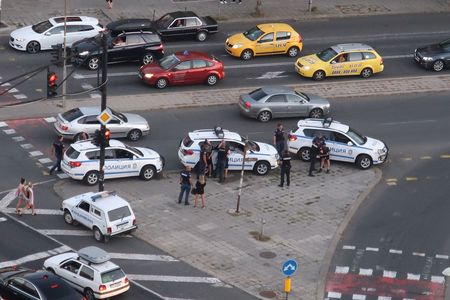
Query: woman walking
29, 196
20, 194
200, 190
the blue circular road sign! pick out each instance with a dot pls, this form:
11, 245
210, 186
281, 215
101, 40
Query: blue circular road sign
289, 267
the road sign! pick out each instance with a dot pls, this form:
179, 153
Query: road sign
104, 117
289, 267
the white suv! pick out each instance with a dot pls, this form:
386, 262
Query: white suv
89, 271
81, 161
261, 159
105, 213
345, 143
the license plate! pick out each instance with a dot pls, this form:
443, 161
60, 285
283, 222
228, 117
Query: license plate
114, 285
122, 226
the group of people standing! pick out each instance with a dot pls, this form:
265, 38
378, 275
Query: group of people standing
25, 195
319, 149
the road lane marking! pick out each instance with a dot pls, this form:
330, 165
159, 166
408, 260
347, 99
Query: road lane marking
347, 247
36, 153
411, 276
26, 146
50, 119
425, 157
334, 295
73, 232
412, 178
372, 249
445, 156
358, 297
45, 160
408, 122
8, 198
441, 256
18, 138
384, 298
62, 175
149, 257
35, 256
3, 124
167, 278
365, 272
389, 274
406, 158
20, 96
394, 251
342, 270
438, 279
418, 254
39, 211
3, 219
9, 131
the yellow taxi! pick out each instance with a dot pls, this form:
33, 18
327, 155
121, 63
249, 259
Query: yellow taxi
341, 60
265, 39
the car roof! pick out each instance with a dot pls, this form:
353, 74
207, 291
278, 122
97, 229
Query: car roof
88, 145
182, 14
74, 20
94, 255
106, 200
90, 110
210, 134
275, 89
186, 55
275, 26
322, 124
135, 22
351, 47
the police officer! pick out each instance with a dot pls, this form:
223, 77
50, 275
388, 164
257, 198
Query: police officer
278, 139
185, 185
316, 145
285, 168
222, 159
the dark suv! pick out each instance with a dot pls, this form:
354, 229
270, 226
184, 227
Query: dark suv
129, 25
144, 47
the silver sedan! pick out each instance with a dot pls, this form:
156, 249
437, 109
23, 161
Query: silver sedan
279, 101
74, 122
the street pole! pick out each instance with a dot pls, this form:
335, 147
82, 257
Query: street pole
241, 182
64, 87
104, 61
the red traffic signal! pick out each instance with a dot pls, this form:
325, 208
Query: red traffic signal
106, 136
51, 84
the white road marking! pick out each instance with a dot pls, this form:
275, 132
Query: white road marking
3, 124
6, 84
418, 254
62, 175
50, 119
33, 257
359, 297
95, 95
342, 270
45, 160
136, 256
271, 75
164, 278
20, 96
150, 291
372, 249
18, 138
36, 153
9, 131
347, 247
408, 122
398, 56
8, 198
395, 251
87, 86
73, 232
39, 211
389, 274
13, 90
411, 276
334, 295
2, 219
365, 272
441, 256
384, 298
438, 279
26, 146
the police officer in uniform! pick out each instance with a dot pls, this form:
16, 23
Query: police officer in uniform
316, 145
222, 159
278, 139
285, 169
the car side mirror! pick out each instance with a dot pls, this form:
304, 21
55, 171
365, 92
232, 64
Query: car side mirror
333, 62
47, 33
349, 143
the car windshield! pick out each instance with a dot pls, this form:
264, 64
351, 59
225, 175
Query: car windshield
119, 115
254, 33
119, 213
445, 44
72, 153
253, 145
326, 54
72, 114
302, 95
357, 137
134, 150
42, 27
257, 94
112, 275
168, 62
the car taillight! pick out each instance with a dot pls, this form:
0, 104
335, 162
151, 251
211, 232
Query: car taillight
292, 137
102, 288
188, 152
126, 280
74, 164
134, 222
109, 230
247, 104
64, 127
382, 61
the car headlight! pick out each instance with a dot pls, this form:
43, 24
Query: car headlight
306, 67
427, 58
237, 46
20, 39
84, 53
148, 75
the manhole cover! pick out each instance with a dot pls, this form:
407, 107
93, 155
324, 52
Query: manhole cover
268, 294
267, 254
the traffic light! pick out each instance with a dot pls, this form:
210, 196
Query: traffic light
51, 84
96, 140
106, 136
57, 54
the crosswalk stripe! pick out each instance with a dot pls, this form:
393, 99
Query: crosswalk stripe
164, 278
50, 119
39, 211
3, 219
136, 256
9, 131
33, 257
3, 124
72, 232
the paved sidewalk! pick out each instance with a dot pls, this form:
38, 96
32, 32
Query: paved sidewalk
301, 222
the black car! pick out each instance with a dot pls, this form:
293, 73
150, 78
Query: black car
144, 47
185, 23
25, 284
435, 57
129, 25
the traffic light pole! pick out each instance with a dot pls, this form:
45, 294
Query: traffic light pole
104, 61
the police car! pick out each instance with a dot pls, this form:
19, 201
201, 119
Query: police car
345, 143
89, 271
105, 213
81, 161
261, 157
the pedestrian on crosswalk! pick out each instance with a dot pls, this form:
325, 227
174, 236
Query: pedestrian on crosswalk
110, 3
20, 194
29, 196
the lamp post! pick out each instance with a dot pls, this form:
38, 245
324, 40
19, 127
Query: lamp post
64, 87
247, 147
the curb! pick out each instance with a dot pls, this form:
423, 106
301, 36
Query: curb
338, 235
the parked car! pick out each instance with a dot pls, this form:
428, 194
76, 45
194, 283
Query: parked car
129, 25
72, 123
434, 57
19, 283
144, 47
186, 67
89, 271
279, 101
185, 23
44, 35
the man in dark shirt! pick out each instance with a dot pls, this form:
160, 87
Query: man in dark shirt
222, 159
57, 151
285, 168
185, 184
316, 144
278, 139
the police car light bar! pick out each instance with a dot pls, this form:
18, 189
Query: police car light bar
219, 132
103, 195
327, 122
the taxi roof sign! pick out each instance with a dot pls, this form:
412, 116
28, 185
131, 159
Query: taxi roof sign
105, 116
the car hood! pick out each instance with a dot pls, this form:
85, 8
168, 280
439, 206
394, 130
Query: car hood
135, 119
148, 153
430, 49
87, 44
265, 148
26, 33
57, 259
152, 68
238, 38
374, 144
317, 100
309, 60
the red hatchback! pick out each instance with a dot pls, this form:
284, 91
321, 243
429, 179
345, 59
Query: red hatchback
183, 68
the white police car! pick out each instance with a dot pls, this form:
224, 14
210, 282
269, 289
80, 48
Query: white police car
345, 143
105, 213
261, 158
89, 271
81, 161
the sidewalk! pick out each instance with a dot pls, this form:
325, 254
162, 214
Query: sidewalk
301, 222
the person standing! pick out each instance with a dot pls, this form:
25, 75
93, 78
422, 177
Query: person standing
57, 151
200, 166
29, 196
324, 158
222, 158
209, 163
109, 3
200, 191
186, 184
285, 169
278, 139
314, 151
20, 194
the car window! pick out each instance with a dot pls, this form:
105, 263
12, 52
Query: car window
93, 155
445, 44
134, 39
368, 55
283, 35
302, 95
339, 137
42, 26
354, 56
72, 153
56, 30
326, 54
89, 120
122, 154
119, 213
309, 132
294, 99
68, 19
277, 99
267, 38
72, 114
164, 20
73, 28
357, 137
187, 142
198, 63
178, 23
190, 22
71, 266
257, 94
236, 147
254, 33
85, 28
30, 289
97, 212
151, 38
185, 65
325, 133
109, 154
84, 206
114, 121
18, 283
87, 273
112, 275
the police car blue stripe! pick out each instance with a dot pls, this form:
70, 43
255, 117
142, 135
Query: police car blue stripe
334, 142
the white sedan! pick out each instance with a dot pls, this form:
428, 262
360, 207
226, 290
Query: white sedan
44, 35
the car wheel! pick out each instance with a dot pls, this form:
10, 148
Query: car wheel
93, 63
366, 73
161, 83
264, 116
89, 294
364, 161
438, 65
147, 58
293, 51
261, 168
247, 54
148, 172
201, 36
68, 217
134, 135
33, 47
319, 75
98, 235
316, 113
91, 178
304, 154
212, 79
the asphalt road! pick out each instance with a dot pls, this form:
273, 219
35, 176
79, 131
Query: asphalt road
394, 37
